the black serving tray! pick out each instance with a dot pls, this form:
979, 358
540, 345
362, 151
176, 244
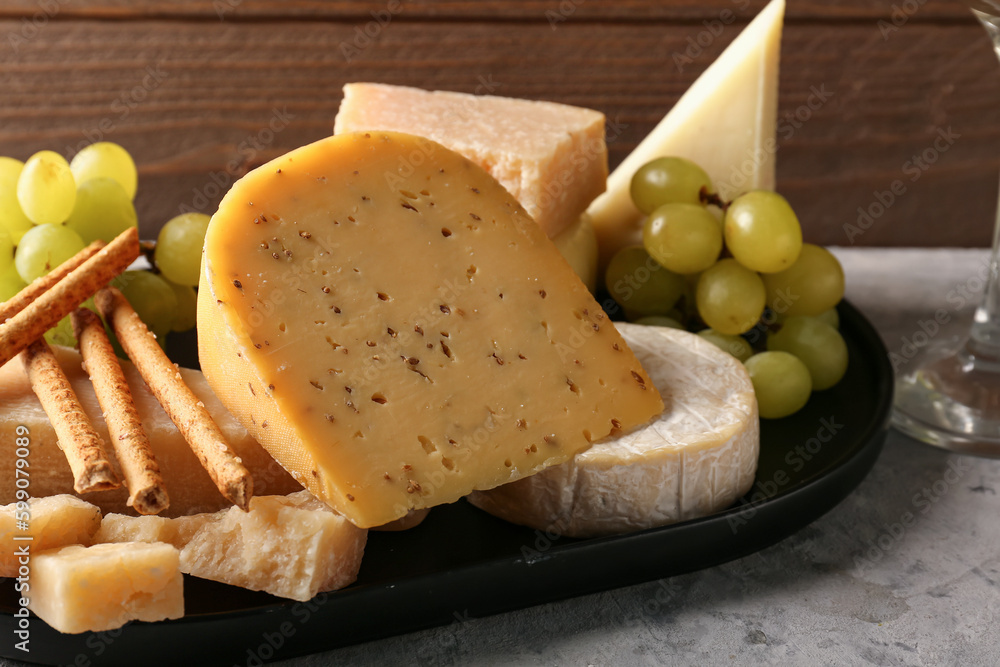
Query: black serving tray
464, 563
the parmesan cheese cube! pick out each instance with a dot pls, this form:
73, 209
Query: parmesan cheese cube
290, 546
92, 589
551, 157
388, 322
44, 523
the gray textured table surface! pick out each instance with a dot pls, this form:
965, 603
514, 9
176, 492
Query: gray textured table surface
905, 571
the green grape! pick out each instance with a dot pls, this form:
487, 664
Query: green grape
43, 248
762, 231
660, 321
178, 248
730, 297
818, 345
46, 189
10, 283
827, 317
187, 307
668, 180
781, 382
684, 238
108, 160
640, 285
734, 345
103, 210
830, 317
152, 298
12, 218
813, 284
61, 334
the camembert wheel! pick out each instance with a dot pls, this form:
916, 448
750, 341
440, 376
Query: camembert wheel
697, 458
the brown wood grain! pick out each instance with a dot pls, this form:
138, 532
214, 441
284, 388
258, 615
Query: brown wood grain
522, 10
198, 102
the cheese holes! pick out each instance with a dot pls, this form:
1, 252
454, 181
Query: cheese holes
382, 296
379, 398
447, 463
426, 443
446, 349
281, 326
445, 232
316, 384
408, 194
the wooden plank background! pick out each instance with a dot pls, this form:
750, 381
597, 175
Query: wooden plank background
201, 91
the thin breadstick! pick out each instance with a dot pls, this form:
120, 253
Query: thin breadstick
179, 402
142, 475
23, 299
83, 446
80, 284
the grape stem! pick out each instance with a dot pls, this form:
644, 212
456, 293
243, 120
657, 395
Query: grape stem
707, 197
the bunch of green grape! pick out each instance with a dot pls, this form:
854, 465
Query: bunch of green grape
50, 209
739, 274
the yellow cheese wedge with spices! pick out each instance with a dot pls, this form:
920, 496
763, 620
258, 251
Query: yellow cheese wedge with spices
390, 324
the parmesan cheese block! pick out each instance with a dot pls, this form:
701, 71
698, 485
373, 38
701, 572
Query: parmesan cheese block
290, 546
384, 317
50, 522
551, 157
725, 122
189, 486
93, 589
696, 459
578, 246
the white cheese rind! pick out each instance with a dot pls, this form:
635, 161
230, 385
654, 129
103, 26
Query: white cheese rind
696, 459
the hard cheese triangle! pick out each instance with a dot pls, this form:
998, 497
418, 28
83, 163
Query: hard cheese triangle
725, 122
391, 325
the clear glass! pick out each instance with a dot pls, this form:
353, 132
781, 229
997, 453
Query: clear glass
950, 396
